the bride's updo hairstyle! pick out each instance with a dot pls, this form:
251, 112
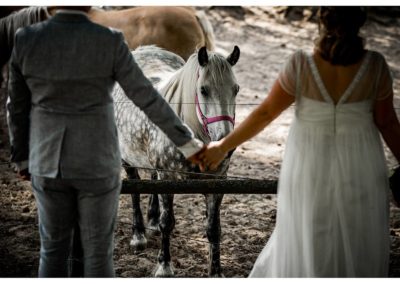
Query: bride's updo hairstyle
339, 42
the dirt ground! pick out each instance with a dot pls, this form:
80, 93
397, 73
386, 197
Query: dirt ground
266, 39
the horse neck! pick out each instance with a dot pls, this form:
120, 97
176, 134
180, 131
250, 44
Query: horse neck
180, 93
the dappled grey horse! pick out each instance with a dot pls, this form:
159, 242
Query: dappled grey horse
202, 92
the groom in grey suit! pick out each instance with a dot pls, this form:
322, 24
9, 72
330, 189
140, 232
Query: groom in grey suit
62, 128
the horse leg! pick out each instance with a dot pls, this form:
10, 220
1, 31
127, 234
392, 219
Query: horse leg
153, 213
213, 202
167, 223
138, 241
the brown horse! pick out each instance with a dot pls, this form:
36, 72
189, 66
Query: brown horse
181, 30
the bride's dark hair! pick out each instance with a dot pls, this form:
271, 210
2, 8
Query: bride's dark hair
339, 42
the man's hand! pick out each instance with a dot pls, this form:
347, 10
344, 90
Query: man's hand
24, 174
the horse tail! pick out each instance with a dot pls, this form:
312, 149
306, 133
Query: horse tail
207, 29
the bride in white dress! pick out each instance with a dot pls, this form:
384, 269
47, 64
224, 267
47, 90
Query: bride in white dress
333, 193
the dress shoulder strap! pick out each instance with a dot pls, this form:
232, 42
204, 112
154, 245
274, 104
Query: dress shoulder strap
300, 56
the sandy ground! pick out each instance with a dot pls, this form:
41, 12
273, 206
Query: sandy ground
265, 40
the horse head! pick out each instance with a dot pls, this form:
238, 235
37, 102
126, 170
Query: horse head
214, 94
201, 91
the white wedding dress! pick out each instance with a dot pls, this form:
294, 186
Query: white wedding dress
333, 207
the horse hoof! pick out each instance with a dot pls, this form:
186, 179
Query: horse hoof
164, 270
138, 242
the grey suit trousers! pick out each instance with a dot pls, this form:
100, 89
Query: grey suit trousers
58, 202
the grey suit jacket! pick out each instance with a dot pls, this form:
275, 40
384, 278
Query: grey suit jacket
61, 113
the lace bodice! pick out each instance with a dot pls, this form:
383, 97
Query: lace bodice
300, 77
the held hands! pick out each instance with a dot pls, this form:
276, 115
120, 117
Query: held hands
212, 156
195, 159
209, 157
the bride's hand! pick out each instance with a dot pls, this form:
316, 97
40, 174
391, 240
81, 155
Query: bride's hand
212, 156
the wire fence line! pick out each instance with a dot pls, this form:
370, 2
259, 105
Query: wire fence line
176, 236
222, 104
208, 103
201, 175
176, 172
192, 173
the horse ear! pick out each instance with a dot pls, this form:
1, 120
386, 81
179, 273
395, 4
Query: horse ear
234, 56
203, 56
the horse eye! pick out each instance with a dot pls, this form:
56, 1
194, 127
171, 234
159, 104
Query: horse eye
204, 91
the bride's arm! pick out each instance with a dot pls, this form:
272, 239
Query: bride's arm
272, 106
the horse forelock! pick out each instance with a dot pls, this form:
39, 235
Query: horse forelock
218, 69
